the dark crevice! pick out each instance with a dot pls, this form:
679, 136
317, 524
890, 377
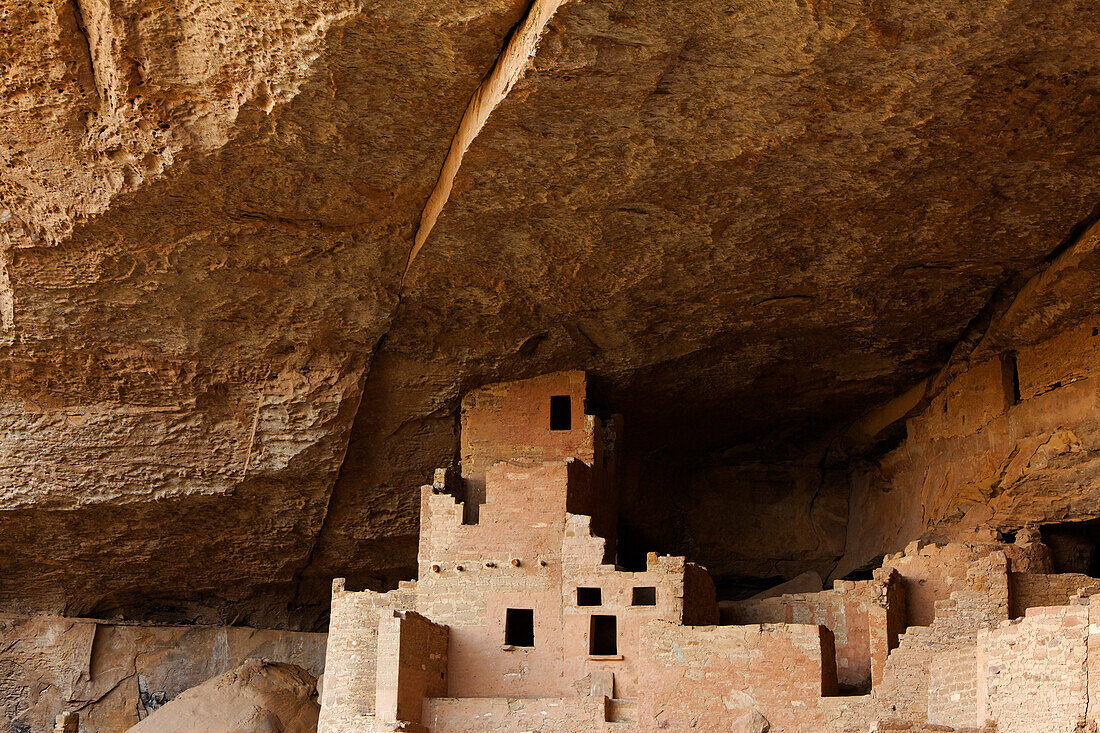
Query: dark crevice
1075, 233
1074, 546
780, 298
1011, 371
297, 601
82, 28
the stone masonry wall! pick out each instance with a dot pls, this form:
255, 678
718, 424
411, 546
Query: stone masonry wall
348, 693
511, 421
931, 573
850, 611
1035, 671
412, 666
715, 677
1031, 590
508, 715
471, 574
956, 687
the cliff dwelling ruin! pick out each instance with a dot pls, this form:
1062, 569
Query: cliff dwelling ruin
549, 366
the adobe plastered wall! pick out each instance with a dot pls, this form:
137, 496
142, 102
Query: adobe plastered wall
979, 455
117, 673
511, 421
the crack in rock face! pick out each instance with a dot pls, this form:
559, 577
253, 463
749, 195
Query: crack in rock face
253, 254
508, 70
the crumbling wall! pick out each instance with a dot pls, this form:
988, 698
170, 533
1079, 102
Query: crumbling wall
854, 611
348, 691
412, 665
700, 602
523, 517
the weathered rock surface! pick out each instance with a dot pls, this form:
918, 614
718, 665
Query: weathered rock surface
1013, 436
183, 368
220, 387
115, 675
254, 698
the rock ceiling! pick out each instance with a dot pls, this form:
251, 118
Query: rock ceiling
748, 221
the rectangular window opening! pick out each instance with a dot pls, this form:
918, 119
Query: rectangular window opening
561, 412
644, 596
589, 597
519, 627
603, 637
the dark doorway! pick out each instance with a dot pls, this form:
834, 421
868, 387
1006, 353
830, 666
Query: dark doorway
1075, 546
561, 412
519, 627
603, 638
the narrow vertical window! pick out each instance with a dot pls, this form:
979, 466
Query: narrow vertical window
561, 412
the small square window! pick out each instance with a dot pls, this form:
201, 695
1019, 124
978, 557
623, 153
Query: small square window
589, 597
644, 596
561, 412
519, 627
603, 637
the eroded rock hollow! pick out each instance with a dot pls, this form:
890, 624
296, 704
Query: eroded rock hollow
830, 268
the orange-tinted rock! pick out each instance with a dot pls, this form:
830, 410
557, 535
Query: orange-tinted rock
747, 225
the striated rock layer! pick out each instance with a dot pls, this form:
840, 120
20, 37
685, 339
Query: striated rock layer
221, 372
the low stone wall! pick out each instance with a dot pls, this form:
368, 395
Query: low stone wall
412, 665
854, 611
1035, 671
715, 677
348, 692
1033, 590
117, 673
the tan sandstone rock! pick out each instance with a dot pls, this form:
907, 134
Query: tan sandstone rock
257, 697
